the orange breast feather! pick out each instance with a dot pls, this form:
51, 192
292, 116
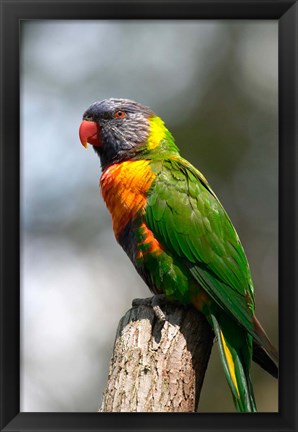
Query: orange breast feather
124, 188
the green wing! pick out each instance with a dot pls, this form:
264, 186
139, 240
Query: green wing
187, 218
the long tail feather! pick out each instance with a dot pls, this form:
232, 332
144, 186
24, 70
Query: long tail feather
236, 367
264, 341
261, 357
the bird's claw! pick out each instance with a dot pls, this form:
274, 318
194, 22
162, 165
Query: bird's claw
155, 303
142, 302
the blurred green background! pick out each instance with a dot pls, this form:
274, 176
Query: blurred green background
215, 85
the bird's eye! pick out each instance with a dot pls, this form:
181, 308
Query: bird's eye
120, 114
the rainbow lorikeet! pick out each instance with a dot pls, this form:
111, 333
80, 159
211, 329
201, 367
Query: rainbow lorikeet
181, 241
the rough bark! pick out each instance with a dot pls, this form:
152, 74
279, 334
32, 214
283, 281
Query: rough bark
158, 366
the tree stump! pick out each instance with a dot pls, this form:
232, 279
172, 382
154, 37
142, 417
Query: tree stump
158, 366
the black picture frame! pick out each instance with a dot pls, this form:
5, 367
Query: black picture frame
286, 12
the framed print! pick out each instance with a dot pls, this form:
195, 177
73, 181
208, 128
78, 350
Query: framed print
223, 78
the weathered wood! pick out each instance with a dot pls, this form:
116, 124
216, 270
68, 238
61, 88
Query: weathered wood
158, 366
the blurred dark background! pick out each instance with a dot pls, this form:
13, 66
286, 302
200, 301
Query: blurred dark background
215, 85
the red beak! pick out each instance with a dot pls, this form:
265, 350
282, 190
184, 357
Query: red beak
89, 133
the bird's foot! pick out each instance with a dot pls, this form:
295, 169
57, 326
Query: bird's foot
155, 302
142, 302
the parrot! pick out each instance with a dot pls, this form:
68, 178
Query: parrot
178, 236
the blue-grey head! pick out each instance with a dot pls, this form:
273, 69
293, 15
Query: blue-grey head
117, 128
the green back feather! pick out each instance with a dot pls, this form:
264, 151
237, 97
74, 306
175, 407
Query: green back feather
188, 219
